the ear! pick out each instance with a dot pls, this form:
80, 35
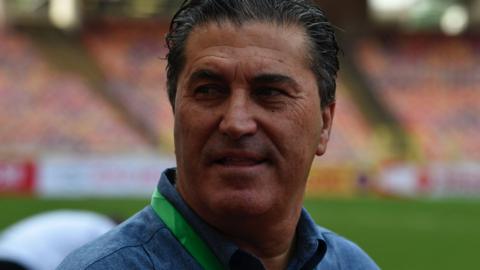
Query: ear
327, 119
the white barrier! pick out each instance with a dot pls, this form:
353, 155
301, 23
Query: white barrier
436, 179
457, 179
100, 176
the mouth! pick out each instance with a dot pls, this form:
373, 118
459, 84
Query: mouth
242, 159
238, 162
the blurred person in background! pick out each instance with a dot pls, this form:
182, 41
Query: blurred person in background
252, 87
40, 242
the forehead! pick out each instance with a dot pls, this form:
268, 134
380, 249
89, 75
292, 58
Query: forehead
260, 41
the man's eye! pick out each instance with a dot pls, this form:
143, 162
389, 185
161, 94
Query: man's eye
209, 91
268, 92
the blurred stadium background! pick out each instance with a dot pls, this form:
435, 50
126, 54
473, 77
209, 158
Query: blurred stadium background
85, 121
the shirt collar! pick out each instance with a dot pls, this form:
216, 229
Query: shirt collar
310, 245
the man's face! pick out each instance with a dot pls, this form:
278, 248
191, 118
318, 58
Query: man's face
248, 120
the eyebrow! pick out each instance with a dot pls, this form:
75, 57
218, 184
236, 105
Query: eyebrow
274, 78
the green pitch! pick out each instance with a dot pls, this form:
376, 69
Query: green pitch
398, 234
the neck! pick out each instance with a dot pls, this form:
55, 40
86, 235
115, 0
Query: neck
271, 240
272, 256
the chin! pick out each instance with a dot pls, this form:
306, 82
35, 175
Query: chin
241, 204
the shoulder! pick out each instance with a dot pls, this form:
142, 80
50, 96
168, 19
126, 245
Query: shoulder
344, 253
121, 248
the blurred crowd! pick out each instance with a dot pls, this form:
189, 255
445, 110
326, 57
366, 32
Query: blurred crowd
43, 110
431, 83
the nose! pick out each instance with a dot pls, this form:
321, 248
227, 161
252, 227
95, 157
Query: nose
238, 119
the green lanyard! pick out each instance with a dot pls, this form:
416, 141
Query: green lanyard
184, 233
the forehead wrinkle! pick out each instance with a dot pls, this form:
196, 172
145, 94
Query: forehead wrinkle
295, 35
208, 63
225, 52
210, 59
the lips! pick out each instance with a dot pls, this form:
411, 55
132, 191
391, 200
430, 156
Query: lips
235, 161
239, 159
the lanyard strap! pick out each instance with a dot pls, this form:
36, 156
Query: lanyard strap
184, 233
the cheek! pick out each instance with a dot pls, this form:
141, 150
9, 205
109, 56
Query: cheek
295, 137
192, 127
305, 129
305, 124
184, 126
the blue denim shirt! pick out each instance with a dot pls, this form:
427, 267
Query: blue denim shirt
144, 242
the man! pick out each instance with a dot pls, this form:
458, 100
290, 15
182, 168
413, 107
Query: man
252, 86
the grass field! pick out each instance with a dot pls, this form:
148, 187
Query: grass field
398, 234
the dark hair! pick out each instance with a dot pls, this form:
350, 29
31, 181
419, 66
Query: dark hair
323, 46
